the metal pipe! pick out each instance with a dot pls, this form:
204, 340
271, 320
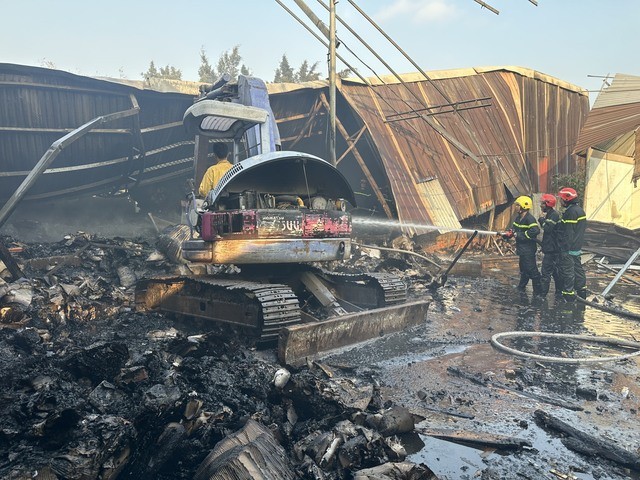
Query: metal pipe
405, 55
620, 273
438, 128
320, 25
50, 155
332, 82
382, 98
487, 6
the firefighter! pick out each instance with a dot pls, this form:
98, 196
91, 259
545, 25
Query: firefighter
549, 223
570, 239
525, 229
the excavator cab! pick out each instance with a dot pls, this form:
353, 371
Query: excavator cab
275, 214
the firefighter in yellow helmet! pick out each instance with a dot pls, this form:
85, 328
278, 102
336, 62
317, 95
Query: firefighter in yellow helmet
525, 230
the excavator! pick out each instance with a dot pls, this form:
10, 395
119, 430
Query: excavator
281, 219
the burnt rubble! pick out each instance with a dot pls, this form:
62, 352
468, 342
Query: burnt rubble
93, 389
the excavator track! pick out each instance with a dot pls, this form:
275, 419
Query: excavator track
260, 308
370, 289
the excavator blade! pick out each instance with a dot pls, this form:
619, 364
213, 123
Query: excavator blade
298, 343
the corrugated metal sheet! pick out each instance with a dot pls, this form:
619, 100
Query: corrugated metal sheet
39, 106
613, 122
624, 89
439, 208
531, 116
614, 116
610, 128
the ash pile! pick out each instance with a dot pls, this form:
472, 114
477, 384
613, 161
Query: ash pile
93, 389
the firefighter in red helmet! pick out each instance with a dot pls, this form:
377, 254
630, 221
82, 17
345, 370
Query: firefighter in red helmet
570, 239
549, 222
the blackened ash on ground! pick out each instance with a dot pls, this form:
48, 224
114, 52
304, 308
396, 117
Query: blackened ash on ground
94, 389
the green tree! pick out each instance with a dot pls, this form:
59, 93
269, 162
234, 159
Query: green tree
205, 72
306, 74
169, 72
151, 72
347, 72
229, 62
284, 73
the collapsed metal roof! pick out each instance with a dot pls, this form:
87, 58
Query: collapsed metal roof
613, 122
610, 143
520, 138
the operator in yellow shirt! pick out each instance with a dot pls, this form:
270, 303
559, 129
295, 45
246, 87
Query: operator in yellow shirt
215, 172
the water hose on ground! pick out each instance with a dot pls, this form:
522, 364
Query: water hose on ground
606, 308
619, 342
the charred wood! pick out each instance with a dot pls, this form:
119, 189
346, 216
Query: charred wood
583, 442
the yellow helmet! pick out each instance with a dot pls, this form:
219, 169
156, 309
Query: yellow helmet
524, 202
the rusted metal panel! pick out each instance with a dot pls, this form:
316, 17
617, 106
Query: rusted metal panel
605, 126
300, 342
267, 251
531, 116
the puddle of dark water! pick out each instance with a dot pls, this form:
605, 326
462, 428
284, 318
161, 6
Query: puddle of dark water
448, 460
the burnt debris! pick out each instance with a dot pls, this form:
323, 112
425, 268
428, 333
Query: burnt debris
94, 389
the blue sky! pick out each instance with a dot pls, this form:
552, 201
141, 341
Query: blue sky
568, 39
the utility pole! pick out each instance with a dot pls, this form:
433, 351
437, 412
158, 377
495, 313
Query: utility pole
332, 82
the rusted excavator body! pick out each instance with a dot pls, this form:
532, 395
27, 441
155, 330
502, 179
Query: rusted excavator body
280, 216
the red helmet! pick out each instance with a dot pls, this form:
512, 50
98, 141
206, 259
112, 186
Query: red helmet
548, 200
567, 194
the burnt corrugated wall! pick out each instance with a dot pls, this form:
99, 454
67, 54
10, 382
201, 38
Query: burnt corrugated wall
524, 136
38, 106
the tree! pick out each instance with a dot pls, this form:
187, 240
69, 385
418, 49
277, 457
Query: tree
347, 72
284, 73
168, 72
205, 72
229, 62
306, 74
151, 71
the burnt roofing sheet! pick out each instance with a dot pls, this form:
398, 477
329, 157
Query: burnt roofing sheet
524, 135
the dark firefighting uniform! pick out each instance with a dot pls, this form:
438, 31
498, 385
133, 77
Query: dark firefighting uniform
549, 223
570, 239
526, 230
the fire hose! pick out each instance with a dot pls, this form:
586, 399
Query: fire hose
619, 342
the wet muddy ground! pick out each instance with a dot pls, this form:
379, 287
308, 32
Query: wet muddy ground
423, 370
94, 389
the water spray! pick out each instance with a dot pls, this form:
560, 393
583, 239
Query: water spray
416, 226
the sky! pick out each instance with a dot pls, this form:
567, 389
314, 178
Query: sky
577, 41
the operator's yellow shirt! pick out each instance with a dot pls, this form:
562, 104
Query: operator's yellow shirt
212, 176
